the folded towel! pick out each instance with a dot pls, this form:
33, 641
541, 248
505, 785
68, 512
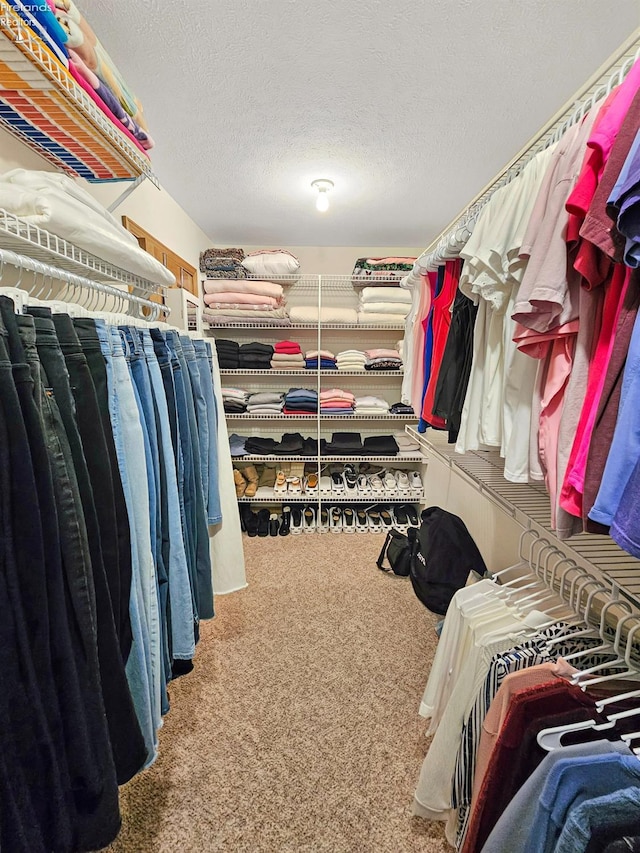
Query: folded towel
251, 314
309, 314
260, 288
398, 308
241, 300
385, 294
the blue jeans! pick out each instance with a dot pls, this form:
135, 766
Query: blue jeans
214, 511
193, 495
180, 605
136, 361
144, 668
200, 407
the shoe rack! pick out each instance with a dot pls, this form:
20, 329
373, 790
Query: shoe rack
336, 291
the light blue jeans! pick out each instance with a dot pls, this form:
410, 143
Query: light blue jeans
144, 670
200, 406
214, 511
181, 608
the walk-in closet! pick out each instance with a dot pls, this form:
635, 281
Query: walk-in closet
319, 427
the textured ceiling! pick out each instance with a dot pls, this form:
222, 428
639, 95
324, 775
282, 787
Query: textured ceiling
409, 106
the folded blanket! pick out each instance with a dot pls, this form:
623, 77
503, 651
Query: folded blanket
365, 319
226, 273
237, 299
221, 319
248, 314
399, 308
211, 255
385, 294
59, 205
260, 288
309, 314
271, 263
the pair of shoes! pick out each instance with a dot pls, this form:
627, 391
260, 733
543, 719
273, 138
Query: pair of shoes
246, 481
405, 516
248, 520
311, 484
285, 522
291, 485
341, 519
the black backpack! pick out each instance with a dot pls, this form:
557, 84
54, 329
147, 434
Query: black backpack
443, 555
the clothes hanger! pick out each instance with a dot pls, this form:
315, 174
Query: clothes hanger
606, 645
615, 646
632, 668
589, 631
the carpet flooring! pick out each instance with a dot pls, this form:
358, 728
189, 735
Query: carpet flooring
298, 730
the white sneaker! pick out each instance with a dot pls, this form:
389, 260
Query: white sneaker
376, 484
390, 484
416, 481
363, 485
402, 481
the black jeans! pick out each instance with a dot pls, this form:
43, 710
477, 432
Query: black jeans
88, 339
127, 742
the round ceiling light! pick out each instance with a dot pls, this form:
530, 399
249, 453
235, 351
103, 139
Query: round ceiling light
323, 185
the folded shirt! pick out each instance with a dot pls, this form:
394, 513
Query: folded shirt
289, 358
265, 408
385, 294
230, 391
302, 392
401, 409
237, 444
260, 446
291, 443
332, 412
325, 364
323, 353
259, 288
291, 347
336, 392
381, 353
406, 443
309, 314
297, 411
265, 397
370, 400
232, 407
380, 445
383, 364
345, 443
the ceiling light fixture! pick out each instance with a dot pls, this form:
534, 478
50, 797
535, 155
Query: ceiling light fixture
323, 186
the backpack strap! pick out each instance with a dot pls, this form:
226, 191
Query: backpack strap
383, 554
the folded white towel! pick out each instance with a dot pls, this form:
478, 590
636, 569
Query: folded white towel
309, 314
385, 294
385, 308
241, 285
386, 319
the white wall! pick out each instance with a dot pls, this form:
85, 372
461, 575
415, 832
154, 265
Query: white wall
157, 212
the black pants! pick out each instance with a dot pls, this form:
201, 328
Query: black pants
88, 339
127, 742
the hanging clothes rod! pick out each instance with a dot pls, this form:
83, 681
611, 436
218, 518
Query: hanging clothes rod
451, 239
74, 287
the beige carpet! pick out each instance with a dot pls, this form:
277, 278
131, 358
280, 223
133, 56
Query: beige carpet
298, 730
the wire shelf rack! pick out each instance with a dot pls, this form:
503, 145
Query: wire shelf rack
305, 372
313, 417
400, 458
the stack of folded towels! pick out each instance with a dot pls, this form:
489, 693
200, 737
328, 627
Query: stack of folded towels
371, 406
323, 357
383, 359
287, 355
382, 305
335, 401
405, 443
300, 401
233, 299
234, 400
255, 356
265, 403
228, 354
351, 359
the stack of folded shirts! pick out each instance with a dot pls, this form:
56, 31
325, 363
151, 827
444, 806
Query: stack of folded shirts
292, 444
345, 444
300, 401
323, 357
383, 359
370, 269
237, 444
287, 355
311, 447
383, 305
405, 443
371, 406
380, 445
401, 409
255, 356
351, 359
335, 401
234, 400
222, 263
228, 354
265, 403
257, 446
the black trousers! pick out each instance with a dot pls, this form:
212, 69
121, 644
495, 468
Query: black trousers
86, 331
127, 742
